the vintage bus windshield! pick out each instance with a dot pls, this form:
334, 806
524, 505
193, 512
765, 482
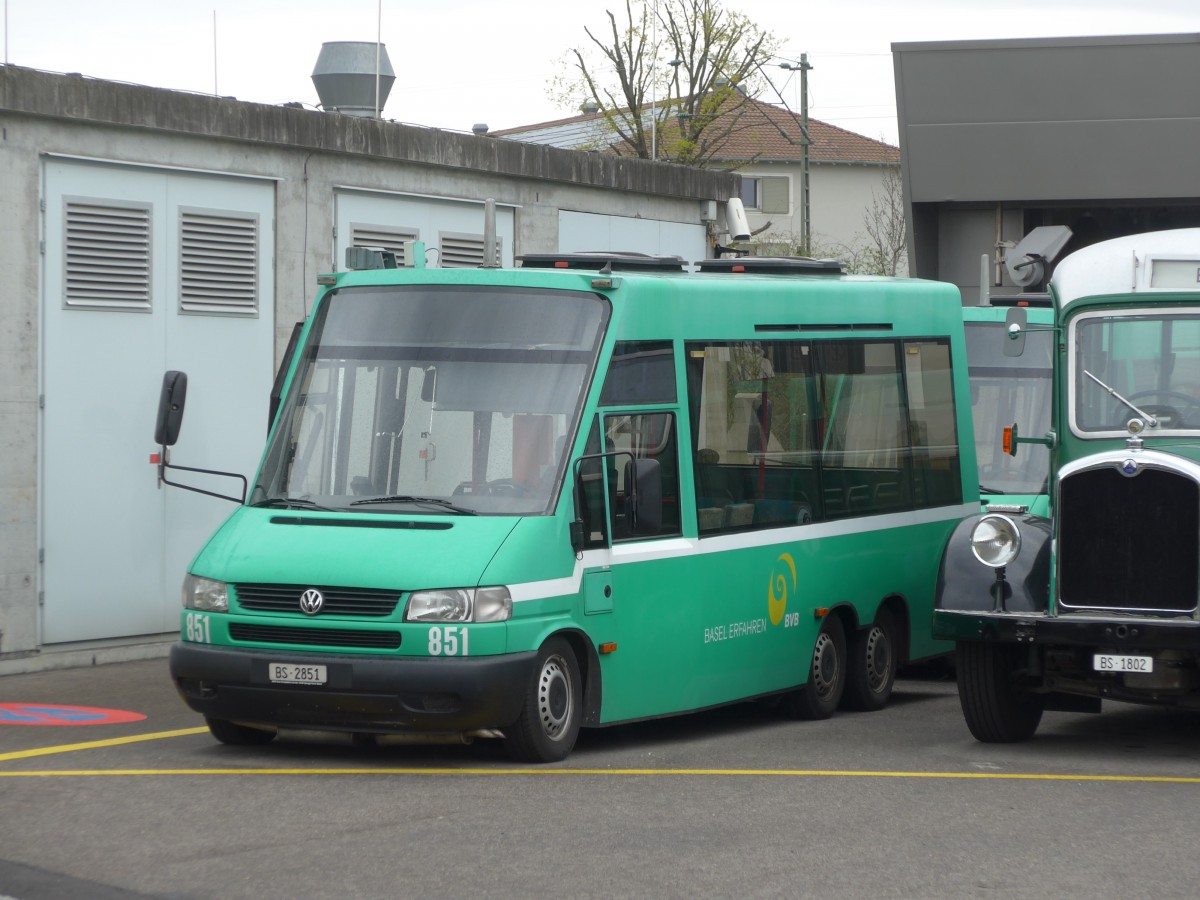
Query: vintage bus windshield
1151, 359
436, 400
1004, 390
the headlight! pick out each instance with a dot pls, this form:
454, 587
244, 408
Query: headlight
995, 541
488, 604
205, 594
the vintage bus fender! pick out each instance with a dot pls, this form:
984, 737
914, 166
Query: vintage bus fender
966, 585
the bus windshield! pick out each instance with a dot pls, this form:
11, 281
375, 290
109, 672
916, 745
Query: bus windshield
1150, 361
1004, 390
431, 399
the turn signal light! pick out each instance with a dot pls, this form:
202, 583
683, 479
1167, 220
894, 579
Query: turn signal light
610, 647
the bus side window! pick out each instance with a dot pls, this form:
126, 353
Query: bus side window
643, 436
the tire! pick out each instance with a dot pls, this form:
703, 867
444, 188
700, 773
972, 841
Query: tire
996, 701
238, 735
826, 675
550, 717
872, 658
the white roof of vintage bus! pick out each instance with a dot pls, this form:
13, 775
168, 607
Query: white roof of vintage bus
1147, 263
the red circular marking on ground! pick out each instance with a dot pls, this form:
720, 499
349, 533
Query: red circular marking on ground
51, 714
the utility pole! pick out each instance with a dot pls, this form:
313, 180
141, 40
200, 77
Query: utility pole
805, 143
804, 192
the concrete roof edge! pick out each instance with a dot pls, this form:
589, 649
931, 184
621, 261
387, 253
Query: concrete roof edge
75, 97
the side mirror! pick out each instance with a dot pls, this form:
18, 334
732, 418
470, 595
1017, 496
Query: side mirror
170, 408
1015, 322
644, 500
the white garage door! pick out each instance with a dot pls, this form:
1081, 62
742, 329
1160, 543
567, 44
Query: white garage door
145, 271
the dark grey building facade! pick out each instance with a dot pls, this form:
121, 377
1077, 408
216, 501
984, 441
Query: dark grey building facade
1100, 134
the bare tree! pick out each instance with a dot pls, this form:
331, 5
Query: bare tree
887, 226
670, 79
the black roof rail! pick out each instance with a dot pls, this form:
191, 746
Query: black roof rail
593, 261
1020, 300
773, 265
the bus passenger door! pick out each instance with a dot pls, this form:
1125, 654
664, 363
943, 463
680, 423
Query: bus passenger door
646, 574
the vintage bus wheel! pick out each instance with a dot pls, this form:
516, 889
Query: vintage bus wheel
871, 664
238, 735
826, 675
997, 704
549, 721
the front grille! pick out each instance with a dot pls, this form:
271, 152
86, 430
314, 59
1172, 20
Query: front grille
339, 601
324, 637
1129, 543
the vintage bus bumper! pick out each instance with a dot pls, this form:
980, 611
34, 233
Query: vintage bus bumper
361, 693
1118, 634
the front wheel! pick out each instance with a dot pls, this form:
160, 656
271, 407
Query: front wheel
549, 722
996, 700
873, 659
826, 675
238, 735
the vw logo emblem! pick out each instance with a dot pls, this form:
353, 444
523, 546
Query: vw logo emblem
311, 602
1129, 468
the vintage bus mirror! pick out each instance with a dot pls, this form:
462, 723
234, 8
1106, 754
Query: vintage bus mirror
643, 486
1015, 323
170, 408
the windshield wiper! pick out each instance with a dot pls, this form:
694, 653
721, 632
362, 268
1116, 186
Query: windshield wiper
404, 498
983, 489
1150, 420
290, 503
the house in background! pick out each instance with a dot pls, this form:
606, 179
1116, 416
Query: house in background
848, 174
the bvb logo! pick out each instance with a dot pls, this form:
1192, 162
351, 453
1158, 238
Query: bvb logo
777, 590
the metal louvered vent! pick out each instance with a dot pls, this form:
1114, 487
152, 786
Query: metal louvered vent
384, 238
463, 251
107, 262
218, 263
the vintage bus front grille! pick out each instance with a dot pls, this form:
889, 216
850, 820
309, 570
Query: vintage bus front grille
1129, 543
277, 598
324, 637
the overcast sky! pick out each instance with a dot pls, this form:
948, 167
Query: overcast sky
461, 62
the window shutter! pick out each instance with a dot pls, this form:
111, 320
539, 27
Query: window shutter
384, 237
218, 263
464, 251
107, 262
775, 194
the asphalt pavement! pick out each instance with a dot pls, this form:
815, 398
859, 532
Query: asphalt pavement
111, 788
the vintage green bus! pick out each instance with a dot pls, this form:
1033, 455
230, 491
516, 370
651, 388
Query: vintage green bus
1101, 598
588, 490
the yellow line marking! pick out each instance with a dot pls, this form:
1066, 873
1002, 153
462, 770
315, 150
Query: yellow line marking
94, 745
734, 773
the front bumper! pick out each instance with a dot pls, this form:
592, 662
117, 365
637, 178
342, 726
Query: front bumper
362, 693
1118, 633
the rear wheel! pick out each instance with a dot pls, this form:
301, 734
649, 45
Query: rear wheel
826, 675
872, 657
238, 735
549, 722
996, 698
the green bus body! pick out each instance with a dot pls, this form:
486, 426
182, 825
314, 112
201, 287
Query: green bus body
1007, 389
1099, 598
533, 499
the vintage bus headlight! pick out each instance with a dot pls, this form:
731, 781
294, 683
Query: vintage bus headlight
486, 604
205, 594
995, 541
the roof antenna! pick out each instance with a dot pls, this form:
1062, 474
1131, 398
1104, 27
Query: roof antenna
607, 270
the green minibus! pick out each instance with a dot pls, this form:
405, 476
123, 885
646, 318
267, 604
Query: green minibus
592, 489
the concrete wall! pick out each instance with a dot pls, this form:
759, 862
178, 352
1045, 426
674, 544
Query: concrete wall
309, 155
